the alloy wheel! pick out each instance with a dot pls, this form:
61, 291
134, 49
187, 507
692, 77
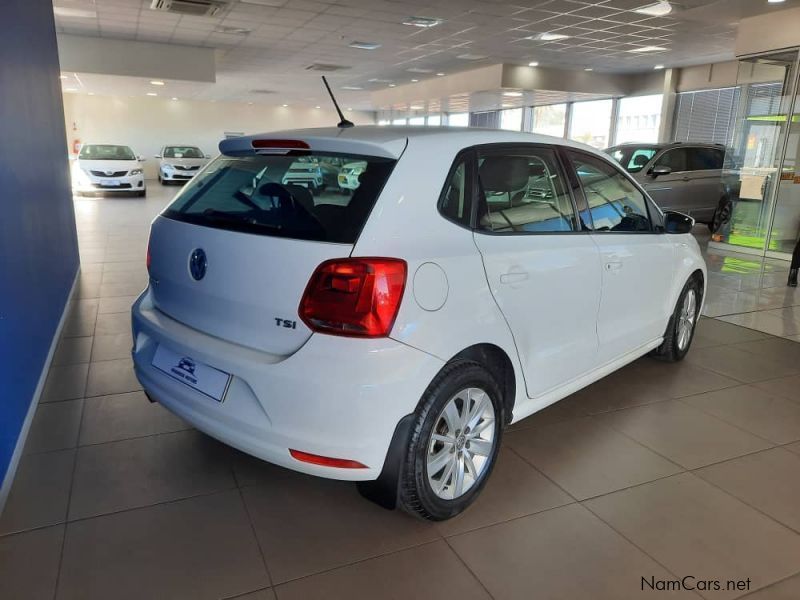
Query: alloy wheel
461, 444
687, 319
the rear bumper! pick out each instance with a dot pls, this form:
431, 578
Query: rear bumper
335, 397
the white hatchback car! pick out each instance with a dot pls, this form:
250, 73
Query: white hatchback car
178, 164
473, 278
108, 168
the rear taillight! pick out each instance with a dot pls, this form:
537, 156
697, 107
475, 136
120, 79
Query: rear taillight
356, 297
326, 461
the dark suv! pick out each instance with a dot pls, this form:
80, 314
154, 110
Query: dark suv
691, 178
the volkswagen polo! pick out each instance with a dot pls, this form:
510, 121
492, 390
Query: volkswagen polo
388, 337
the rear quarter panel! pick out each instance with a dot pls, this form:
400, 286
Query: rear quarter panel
406, 223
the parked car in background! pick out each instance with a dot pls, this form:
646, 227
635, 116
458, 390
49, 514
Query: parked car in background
348, 176
390, 336
316, 175
691, 178
107, 168
178, 164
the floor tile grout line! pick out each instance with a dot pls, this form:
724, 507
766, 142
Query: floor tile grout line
468, 568
253, 528
69, 501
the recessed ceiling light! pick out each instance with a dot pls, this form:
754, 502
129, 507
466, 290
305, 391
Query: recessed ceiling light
174, 98
512, 94
76, 13
547, 37
423, 21
658, 67
156, 82
588, 69
365, 45
152, 94
533, 63
70, 89
232, 30
285, 105
648, 49
419, 70
414, 80
440, 74
317, 107
352, 87
392, 85
471, 56
775, 1
349, 109
91, 93
659, 9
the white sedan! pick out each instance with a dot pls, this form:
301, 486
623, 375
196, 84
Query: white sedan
108, 168
178, 164
473, 278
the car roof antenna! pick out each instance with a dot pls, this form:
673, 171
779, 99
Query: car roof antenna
344, 123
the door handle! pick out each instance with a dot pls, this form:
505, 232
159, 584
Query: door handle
514, 277
614, 265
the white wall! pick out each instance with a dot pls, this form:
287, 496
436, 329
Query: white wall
146, 124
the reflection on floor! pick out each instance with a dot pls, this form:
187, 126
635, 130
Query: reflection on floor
751, 291
659, 471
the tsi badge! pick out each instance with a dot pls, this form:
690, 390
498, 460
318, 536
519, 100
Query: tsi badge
198, 264
287, 323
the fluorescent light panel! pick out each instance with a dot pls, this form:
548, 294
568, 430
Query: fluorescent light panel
659, 9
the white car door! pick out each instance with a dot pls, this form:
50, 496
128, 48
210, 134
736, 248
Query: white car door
542, 268
637, 258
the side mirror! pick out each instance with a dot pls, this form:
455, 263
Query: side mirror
675, 222
157, 156
141, 158
208, 156
660, 170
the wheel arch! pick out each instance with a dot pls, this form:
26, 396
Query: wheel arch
499, 364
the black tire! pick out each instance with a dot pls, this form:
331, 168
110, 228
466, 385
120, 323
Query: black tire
416, 496
142, 193
722, 215
670, 349
161, 181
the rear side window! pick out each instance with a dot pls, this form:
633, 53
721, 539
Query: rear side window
523, 191
705, 159
322, 197
456, 200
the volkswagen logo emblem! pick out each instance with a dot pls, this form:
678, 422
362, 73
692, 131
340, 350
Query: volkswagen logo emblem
198, 264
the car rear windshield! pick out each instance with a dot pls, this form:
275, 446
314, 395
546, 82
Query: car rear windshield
106, 152
307, 197
632, 158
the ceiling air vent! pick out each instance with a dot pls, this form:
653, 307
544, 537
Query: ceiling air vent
195, 8
325, 68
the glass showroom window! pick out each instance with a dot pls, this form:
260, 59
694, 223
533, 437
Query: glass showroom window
435, 120
591, 122
549, 120
458, 120
383, 121
511, 119
399, 122
416, 121
639, 119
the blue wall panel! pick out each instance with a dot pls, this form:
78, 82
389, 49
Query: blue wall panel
38, 248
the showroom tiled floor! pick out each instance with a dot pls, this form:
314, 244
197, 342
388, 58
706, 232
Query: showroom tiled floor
660, 470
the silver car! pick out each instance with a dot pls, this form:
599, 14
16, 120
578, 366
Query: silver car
180, 163
690, 178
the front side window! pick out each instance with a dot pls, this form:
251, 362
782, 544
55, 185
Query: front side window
523, 191
315, 196
106, 152
677, 160
615, 204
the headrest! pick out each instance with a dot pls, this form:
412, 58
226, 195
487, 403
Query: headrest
504, 173
640, 160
